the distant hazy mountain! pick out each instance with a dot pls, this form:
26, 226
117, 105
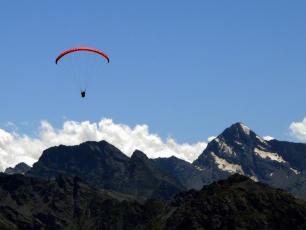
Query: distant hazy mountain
20, 168
189, 175
104, 166
68, 203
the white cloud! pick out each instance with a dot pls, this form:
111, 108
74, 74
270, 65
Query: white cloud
298, 129
15, 148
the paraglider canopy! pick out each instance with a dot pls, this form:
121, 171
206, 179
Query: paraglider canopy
81, 49
82, 77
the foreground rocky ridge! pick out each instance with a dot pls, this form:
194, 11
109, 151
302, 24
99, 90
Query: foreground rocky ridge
237, 203
69, 203
64, 203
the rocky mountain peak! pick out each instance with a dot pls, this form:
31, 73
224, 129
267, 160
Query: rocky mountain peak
20, 168
137, 154
240, 150
240, 132
245, 128
241, 126
104, 166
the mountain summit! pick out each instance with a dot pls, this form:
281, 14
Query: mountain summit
240, 150
104, 166
20, 168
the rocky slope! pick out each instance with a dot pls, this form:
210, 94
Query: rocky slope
239, 150
190, 176
237, 203
68, 203
20, 168
64, 203
104, 166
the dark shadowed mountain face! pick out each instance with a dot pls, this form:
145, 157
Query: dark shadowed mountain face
237, 203
188, 175
64, 203
20, 168
149, 180
104, 166
239, 150
68, 203
294, 153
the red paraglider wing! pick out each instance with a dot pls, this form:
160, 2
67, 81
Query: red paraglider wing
81, 49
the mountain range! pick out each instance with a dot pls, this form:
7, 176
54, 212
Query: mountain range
236, 150
159, 192
104, 166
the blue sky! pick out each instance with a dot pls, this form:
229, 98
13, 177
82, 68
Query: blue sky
188, 69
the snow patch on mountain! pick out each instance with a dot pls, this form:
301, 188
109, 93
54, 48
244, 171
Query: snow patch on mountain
226, 166
209, 139
224, 147
268, 138
295, 171
261, 139
254, 178
199, 168
238, 143
245, 129
269, 155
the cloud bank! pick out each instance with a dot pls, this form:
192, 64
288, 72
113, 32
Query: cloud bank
15, 147
298, 130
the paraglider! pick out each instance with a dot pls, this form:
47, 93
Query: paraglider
81, 49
